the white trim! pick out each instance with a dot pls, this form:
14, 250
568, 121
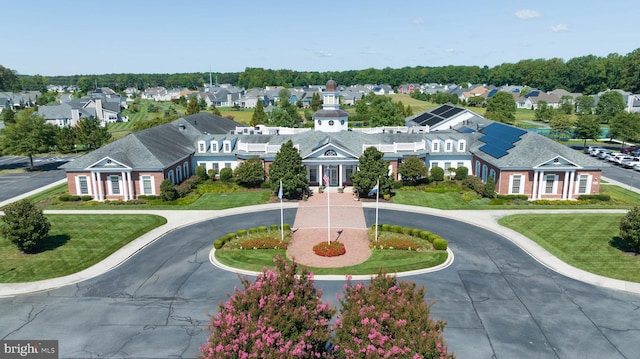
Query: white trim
153, 187
587, 187
520, 186
462, 145
88, 185
110, 182
448, 146
554, 187
202, 147
435, 146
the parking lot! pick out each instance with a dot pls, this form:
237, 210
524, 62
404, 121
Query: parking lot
18, 180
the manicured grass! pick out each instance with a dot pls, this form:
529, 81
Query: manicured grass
620, 198
230, 200
75, 243
586, 241
391, 260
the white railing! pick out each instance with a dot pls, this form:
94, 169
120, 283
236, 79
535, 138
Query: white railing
395, 147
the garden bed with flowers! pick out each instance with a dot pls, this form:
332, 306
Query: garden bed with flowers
332, 249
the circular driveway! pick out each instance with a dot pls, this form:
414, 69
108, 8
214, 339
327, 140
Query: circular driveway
497, 300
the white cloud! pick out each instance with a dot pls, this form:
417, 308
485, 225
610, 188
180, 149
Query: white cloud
323, 53
559, 28
417, 21
525, 14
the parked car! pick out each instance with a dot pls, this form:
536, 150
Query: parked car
594, 150
630, 149
637, 167
605, 155
619, 158
630, 163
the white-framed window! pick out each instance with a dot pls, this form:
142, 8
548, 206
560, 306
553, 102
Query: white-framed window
179, 174
447, 165
462, 145
435, 146
477, 172
82, 185
448, 146
226, 146
515, 184
492, 174
214, 146
215, 168
202, 147
147, 185
114, 185
460, 164
485, 171
185, 167
313, 174
434, 164
550, 184
171, 178
227, 165
583, 184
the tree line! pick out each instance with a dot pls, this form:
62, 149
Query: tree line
588, 74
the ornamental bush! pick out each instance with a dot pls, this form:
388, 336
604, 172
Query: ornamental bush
440, 244
26, 226
387, 319
280, 315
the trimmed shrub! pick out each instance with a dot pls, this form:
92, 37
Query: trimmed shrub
252, 230
396, 228
512, 197
25, 225
433, 237
86, 198
273, 227
201, 171
425, 235
595, 197
241, 232
406, 230
226, 174
74, 198
415, 232
440, 244
287, 227
262, 229
218, 243
386, 227
64, 197
437, 174
462, 173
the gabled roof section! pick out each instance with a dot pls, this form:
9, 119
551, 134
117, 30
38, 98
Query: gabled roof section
558, 162
109, 163
206, 123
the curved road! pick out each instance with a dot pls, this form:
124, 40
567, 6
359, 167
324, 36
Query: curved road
498, 301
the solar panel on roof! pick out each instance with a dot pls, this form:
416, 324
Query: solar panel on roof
494, 152
499, 138
441, 109
424, 119
451, 112
434, 120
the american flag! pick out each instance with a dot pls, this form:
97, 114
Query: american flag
325, 179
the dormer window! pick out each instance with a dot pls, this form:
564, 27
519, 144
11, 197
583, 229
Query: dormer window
461, 146
214, 146
227, 146
448, 146
201, 146
435, 146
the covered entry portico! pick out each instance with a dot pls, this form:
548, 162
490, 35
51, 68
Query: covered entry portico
339, 174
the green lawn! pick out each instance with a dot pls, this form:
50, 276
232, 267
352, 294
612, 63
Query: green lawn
391, 260
586, 241
75, 243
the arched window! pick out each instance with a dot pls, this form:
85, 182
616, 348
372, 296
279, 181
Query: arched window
170, 176
330, 153
179, 174
186, 170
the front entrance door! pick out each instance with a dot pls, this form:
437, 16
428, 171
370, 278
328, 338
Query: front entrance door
333, 176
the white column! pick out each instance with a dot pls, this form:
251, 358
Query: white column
572, 178
124, 186
340, 180
130, 184
99, 183
534, 188
565, 185
541, 184
94, 187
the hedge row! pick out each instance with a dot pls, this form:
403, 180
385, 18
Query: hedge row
220, 242
438, 242
71, 198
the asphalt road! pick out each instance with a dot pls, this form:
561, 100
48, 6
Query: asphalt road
498, 301
46, 172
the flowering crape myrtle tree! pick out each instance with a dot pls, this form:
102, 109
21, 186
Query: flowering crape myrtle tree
280, 315
387, 319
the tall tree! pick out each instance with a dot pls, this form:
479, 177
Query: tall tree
287, 166
193, 106
501, 107
8, 79
91, 134
65, 139
561, 126
630, 228
250, 173
585, 105
316, 102
371, 168
258, 117
609, 104
544, 112
625, 126
587, 127
28, 136
26, 226
282, 118
8, 116
412, 168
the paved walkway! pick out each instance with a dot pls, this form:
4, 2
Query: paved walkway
315, 224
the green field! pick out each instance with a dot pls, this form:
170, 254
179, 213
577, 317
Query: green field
586, 241
75, 242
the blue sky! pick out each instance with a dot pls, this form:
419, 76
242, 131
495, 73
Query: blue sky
67, 37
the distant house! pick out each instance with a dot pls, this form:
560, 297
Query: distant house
97, 105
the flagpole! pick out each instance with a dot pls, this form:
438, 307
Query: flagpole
377, 197
281, 213
325, 181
